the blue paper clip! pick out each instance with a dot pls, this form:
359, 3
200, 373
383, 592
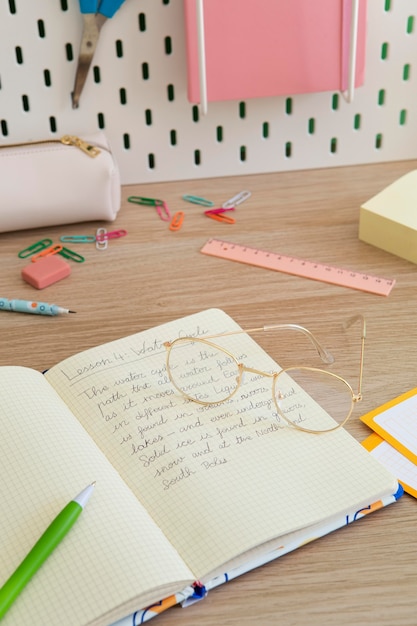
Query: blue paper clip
34, 248
78, 238
198, 200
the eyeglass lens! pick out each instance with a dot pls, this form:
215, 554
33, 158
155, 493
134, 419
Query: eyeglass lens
204, 372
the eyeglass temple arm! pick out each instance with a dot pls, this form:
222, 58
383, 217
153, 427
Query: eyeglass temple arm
348, 324
323, 353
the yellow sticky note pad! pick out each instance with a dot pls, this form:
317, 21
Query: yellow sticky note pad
394, 441
389, 219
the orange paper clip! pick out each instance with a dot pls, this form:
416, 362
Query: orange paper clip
177, 220
51, 250
219, 215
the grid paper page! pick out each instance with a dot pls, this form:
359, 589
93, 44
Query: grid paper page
396, 422
222, 479
46, 459
394, 461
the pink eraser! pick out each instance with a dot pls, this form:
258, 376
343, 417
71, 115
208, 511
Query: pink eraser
46, 271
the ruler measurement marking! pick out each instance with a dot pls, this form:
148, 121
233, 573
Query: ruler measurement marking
298, 267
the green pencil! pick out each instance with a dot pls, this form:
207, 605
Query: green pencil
52, 536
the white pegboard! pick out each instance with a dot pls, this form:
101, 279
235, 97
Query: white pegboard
137, 94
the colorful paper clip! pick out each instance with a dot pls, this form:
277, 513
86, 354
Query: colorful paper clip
163, 212
160, 205
34, 248
237, 199
77, 239
69, 254
198, 200
47, 251
219, 215
101, 244
113, 234
177, 221
145, 201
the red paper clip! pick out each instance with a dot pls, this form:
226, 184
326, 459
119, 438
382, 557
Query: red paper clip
219, 215
113, 234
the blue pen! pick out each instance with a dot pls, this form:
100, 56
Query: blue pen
26, 306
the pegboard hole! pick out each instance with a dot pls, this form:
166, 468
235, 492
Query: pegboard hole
381, 97
333, 145
142, 22
311, 126
406, 71
410, 25
148, 117
69, 52
265, 130
25, 103
357, 121
168, 45
219, 133
41, 28
19, 55
403, 117
145, 71
47, 78
378, 141
171, 93
119, 48
288, 149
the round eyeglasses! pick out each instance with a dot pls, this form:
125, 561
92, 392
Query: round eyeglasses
310, 399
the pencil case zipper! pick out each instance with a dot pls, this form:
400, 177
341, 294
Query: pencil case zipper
92, 150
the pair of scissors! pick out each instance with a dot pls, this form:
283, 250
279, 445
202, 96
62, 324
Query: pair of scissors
95, 13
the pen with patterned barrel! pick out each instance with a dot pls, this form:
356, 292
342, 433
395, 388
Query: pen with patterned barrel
26, 306
45, 545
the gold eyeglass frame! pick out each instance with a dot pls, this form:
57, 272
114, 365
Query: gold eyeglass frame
324, 354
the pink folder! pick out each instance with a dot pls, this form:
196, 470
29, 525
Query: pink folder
261, 48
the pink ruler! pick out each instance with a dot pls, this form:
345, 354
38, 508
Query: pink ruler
298, 267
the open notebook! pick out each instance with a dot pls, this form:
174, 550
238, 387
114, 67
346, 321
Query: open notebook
183, 492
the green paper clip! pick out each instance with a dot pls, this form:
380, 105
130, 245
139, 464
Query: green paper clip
34, 248
198, 200
78, 238
69, 254
145, 201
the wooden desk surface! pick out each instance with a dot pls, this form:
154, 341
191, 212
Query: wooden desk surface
363, 574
